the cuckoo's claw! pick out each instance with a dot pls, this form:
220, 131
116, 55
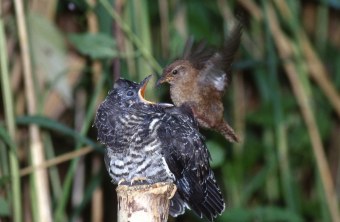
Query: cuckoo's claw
138, 180
122, 181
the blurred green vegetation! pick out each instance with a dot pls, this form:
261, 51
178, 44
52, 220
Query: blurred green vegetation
284, 102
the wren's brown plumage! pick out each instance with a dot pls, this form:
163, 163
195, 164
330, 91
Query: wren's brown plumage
200, 79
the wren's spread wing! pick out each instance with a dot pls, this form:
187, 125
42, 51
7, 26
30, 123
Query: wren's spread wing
187, 158
197, 55
216, 70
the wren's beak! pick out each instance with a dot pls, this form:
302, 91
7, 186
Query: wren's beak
161, 80
141, 91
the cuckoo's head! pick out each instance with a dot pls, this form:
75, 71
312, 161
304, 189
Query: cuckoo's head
126, 93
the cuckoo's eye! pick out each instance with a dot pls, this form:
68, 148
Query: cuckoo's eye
130, 93
174, 72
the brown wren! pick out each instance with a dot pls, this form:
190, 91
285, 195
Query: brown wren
199, 80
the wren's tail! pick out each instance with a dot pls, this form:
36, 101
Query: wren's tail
228, 132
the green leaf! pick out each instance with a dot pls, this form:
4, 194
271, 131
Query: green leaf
272, 213
56, 126
4, 180
97, 46
217, 153
236, 215
265, 214
5, 136
50, 54
4, 207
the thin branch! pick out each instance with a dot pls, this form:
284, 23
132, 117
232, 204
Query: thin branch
55, 161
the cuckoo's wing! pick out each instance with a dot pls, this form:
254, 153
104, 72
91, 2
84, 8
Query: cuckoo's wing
187, 158
108, 131
104, 122
108, 121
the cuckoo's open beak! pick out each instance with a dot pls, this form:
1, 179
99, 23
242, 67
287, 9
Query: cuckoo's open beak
141, 91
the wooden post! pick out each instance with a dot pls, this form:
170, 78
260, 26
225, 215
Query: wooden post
144, 203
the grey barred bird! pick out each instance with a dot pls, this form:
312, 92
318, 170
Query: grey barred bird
199, 80
157, 143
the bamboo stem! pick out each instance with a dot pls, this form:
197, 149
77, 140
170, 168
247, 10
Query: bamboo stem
145, 203
135, 39
97, 199
62, 202
286, 51
164, 19
316, 69
36, 148
10, 122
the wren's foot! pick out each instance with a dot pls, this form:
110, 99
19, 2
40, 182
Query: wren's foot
138, 181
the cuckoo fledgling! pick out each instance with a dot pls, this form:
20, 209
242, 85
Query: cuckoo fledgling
200, 78
159, 143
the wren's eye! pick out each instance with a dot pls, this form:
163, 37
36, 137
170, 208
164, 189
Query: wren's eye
174, 72
129, 93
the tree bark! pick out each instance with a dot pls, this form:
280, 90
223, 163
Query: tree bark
144, 203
